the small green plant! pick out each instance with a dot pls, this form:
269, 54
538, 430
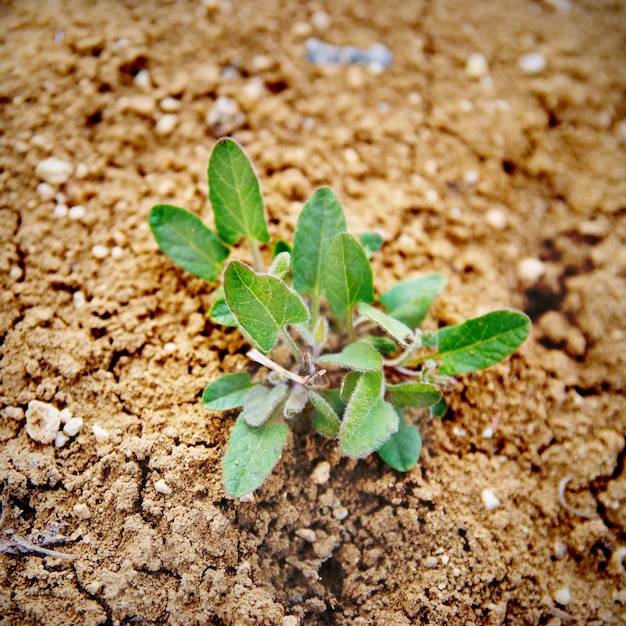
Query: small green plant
313, 321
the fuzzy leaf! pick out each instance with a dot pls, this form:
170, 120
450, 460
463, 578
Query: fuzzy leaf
409, 300
402, 450
440, 408
280, 265
399, 331
369, 421
235, 194
261, 403
360, 356
261, 304
320, 220
251, 455
417, 395
227, 392
348, 275
219, 312
298, 397
187, 241
371, 243
325, 419
383, 345
480, 342
348, 385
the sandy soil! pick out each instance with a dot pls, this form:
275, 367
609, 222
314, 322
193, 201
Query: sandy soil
512, 184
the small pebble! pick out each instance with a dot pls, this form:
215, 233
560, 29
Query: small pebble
489, 499
100, 251
162, 487
166, 124
307, 534
60, 210
532, 63
261, 62
94, 587
431, 562
169, 347
79, 300
142, 105
61, 439
320, 20
471, 177
340, 513
13, 412
101, 435
73, 426
45, 191
560, 549
290, 620
488, 432
82, 511
16, 272
496, 218
531, 270
476, 65
142, 79
225, 117
445, 559
321, 473
77, 212
562, 596
117, 252
456, 572
54, 171
42, 421
170, 105
249, 497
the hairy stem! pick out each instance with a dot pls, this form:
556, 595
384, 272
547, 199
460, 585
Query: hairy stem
256, 255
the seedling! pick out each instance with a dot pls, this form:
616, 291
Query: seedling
354, 363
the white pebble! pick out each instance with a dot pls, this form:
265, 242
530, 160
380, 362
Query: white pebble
249, 497
73, 426
45, 191
82, 510
476, 65
77, 212
169, 105
166, 124
307, 534
65, 415
445, 559
562, 596
290, 620
560, 549
81, 170
225, 117
320, 20
471, 177
60, 439
254, 89
321, 473
54, 171
496, 218
100, 251
16, 272
340, 513
489, 499
261, 62
457, 431
117, 252
94, 587
456, 572
79, 299
142, 79
532, 63
488, 432
466, 105
162, 487
101, 435
169, 347
431, 562
60, 210
530, 270
42, 421
559, 5
13, 412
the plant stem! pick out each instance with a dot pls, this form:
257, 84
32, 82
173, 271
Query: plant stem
403, 359
292, 346
350, 325
256, 255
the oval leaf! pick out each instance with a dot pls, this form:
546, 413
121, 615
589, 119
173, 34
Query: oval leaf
221, 314
325, 420
371, 243
261, 403
360, 356
369, 421
320, 220
348, 275
235, 194
227, 392
402, 450
409, 300
187, 241
417, 395
261, 304
251, 455
399, 331
481, 342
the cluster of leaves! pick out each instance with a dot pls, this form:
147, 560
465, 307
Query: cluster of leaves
316, 294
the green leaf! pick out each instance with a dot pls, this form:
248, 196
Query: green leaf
383, 345
348, 384
320, 220
369, 421
417, 395
187, 241
440, 408
227, 392
325, 419
480, 342
298, 397
281, 246
371, 243
251, 455
360, 356
399, 331
402, 450
235, 194
262, 402
261, 304
280, 265
348, 275
219, 312
409, 300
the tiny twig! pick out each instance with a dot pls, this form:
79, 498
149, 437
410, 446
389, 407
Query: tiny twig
568, 507
19, 546
261, 359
